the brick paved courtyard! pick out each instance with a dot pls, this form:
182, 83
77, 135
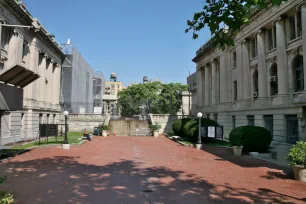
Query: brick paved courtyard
146, 170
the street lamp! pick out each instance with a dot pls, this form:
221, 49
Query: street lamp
199, 142
66, 144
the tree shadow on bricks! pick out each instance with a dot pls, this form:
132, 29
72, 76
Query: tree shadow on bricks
63, 179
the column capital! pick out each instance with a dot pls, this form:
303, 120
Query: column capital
278, 20
245, 41
301, 5
260, 32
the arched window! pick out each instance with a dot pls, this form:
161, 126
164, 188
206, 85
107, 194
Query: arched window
273, 80
298, 72
255, 84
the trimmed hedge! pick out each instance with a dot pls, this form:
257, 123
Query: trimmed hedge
191, 128
252, 138
178, 126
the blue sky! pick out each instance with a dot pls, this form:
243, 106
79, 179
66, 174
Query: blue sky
133, 38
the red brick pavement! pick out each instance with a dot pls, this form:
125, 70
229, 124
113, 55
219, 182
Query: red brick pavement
145, 170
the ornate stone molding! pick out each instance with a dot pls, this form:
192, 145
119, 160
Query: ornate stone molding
3, 59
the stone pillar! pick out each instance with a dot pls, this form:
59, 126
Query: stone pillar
213, 82
56, 85
42, 79
282, 62
207, 86
224, 78
14, 50
199, 87
246, 72
49, 85
262, 72
303, 12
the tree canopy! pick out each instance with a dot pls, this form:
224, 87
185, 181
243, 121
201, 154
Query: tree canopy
222, 16
153, 97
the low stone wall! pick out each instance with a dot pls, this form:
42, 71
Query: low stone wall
165, 120
78, 122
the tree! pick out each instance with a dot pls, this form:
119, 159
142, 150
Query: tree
153, 97
219, 15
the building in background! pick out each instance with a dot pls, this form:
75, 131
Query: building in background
98, 91
261, 80
192, 95
76, 82
30, 66
110, 97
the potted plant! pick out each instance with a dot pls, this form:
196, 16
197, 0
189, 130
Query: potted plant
103, 129
297, 159
236, 143
155, 129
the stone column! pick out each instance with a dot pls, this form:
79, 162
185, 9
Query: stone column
199, 87
262, 65
207, 86
246, 72
49, 85
213, 82
56, 85
42, 79
282, 62
303, 12
14, 50
224, 78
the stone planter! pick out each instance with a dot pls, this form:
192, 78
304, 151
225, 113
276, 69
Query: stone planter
237, 150
155, 133
66, 146
299, 173
198, 146
104, 133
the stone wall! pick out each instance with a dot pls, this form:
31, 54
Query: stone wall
127, 127
165, 120
78, 122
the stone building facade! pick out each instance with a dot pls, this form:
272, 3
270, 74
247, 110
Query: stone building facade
32, 53
192, 87
261, 80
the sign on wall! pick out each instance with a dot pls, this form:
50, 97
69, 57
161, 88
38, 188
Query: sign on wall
211, 132
97, 110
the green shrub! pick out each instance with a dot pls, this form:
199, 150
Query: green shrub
297, 155
103, 127
5, 198
178, 126
191, 128
252, 138
155, 127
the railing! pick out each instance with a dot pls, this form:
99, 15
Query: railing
14, 136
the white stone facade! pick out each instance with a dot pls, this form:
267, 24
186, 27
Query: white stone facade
261, 80
36, 50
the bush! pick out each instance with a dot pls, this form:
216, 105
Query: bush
178, 126
297, 155
155, 127
191, 128
252, 138
5, 198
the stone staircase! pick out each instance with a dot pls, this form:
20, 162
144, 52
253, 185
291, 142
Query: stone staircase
124, 127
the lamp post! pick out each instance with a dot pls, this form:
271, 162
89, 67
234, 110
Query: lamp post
66, 144
199, 142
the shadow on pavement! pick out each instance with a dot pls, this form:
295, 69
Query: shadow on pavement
63, 179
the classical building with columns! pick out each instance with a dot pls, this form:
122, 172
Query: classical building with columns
261, 80
28, 54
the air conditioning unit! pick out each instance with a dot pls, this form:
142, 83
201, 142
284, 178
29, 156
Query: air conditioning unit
255, 94
273, 79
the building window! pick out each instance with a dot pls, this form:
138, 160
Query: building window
255, 84
295, 26
298, 71
235, 90
48, 118
25, 50
273, 80
233, 122
268, 122
40, 118
251, 120
54, 118
271, 38
234, 59
5, 39
253, 48
207, 115
292, 129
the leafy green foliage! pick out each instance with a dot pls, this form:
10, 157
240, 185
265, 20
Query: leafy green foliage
155, 127
233, 14
297, 155
154, 97
5, 198
178, 126
103, 127
252, 138
191, 128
